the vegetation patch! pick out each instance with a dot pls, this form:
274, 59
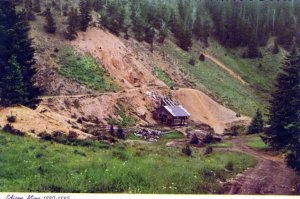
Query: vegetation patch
123, 169
125, 121
257, 143
86, 70
172, 135
162, 75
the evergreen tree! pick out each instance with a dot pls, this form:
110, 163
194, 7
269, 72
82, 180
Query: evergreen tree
275, 49
149, 35
50, 26
138, 26
29, 10
71, 33
256, 125
98, 5
12, 89
85, 14
162, 34
284, 120
253, 51
15, 41
37, 6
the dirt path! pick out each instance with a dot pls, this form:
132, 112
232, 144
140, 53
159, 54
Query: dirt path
227, 69
269, 176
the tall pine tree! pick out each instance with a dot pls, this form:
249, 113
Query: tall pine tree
284, 131
50, 26
256, 125
14, 41
85, 14
71, 33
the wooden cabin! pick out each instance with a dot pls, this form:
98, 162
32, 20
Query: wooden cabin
170, 113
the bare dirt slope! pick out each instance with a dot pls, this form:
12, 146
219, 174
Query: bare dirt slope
269, 176
203, 109
119, 60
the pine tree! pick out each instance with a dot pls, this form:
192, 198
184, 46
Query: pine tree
275, 49
15, 41
253, 51
29, 10
50, 26
138, 26
149, 35
71, 33
12, 89
284, 120
256, 125
85, 15
37, 6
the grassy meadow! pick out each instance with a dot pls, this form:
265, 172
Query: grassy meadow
29, 164
255, 142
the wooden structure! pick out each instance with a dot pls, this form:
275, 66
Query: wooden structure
170, 113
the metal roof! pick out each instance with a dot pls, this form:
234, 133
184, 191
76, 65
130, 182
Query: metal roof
177, 111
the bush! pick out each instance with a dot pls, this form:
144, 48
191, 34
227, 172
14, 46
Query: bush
187, 150
45, 136
208, 150
194, 140
120, 133
208, 138
11, 118
72, 136
229, 166
192, 62
202, 57
10, 129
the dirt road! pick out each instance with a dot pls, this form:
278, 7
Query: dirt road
269, 176
223, 66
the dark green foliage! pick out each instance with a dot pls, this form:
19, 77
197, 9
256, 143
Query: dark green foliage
229, 166
112, 130
37, 6
275, 49
98, 5
11, 118
113, 17
138, 26
194, 140
29, 15
208, 150
85, 14
50, 26
71, 33
256, 125
10, 129
187, 150
12, 86
202, 57
208, 138
284, 119
192, 62
163, 32
16, 59
252, 50
120, 133
149, 35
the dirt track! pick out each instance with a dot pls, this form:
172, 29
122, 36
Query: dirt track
269, 176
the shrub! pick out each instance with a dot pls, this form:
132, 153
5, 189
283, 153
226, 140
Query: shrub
229, 166
57, 133
112, 130
187, 150
192, 62
208, 150
72, 136
120, 133
45, 136
11, 118
194, 140
202, 57
10, 129
208, 138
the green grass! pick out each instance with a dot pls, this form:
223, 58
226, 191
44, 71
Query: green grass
223, 144
162, 75
172, 135
250, 69
256, 142
85, 69
216, 82
30, 165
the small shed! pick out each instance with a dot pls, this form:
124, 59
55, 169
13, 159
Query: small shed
172, 115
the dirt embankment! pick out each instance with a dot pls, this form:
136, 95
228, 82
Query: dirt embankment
120, 61
203, 109
269, 176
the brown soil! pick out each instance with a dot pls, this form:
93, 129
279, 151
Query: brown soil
203, 109
269, 176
